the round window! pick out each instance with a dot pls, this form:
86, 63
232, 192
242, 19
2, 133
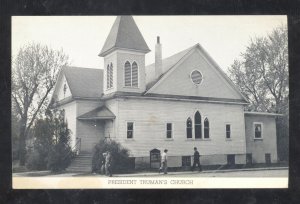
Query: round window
196, 77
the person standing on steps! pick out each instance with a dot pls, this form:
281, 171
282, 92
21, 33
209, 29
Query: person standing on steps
164, 162
196, 160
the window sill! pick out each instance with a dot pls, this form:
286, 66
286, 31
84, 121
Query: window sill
192, 139
258, 139
129, 139
228, 139
130, 87
169, 139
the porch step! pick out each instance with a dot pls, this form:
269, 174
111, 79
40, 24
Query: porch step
81, 163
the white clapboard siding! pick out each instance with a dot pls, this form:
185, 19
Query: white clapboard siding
268, 144
90, 133
179, 82
70, 117
131, 57
150, 118
61, 93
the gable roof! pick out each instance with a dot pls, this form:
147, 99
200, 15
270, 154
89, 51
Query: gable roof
84, 82
124, 34
169, 64
101, 112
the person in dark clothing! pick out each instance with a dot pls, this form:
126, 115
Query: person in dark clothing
196, 160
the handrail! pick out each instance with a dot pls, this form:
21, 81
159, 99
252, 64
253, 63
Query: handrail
75, 150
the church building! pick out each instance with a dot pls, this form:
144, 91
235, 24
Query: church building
177, 103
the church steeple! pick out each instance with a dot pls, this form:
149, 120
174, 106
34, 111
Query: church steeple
124, 34
124, 58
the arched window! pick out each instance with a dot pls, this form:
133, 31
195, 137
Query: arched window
198, 132
127, 74
107, 76
189, 125
111, 76
135, 74
206, 128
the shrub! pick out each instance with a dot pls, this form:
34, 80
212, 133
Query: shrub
121, 162
37, 158
35, 161
51, 148
59, 157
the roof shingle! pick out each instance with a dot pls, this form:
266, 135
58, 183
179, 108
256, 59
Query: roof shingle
124, 34
84, 82
101, 112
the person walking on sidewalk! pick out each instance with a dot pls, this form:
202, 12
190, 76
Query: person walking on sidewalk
196, 160
164, 162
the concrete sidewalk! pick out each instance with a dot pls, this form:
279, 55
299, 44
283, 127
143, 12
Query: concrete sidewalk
197, 172
139, 174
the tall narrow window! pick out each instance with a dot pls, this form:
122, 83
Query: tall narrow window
129, 130
257, 130
169, 130
228, 131
127, 74
189, 125
107, 76
198, 132
135, 75
111, 76
206, 128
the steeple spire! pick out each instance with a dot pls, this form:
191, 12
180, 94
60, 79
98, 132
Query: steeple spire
124, 34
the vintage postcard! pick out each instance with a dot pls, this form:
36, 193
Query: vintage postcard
101, 102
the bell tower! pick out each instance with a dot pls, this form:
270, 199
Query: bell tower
124, 57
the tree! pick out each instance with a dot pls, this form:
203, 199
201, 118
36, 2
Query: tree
34, 73
60, 154
51, 149
262, 75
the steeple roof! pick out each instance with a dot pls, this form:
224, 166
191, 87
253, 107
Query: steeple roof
124, 34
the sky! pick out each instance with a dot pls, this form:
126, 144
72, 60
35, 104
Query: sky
82, 37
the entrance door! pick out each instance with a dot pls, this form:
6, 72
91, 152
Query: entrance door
154, 159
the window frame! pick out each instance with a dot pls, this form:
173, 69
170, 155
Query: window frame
261, 131
138, 82
107, 76
138, 75
191, 128
198, 124
172, 130
202, 78
127, 122
111, 76
230, 131
204, 138
124, 77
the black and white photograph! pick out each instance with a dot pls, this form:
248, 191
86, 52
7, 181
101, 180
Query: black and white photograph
141, 102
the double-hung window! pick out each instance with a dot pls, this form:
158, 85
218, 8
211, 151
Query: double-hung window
258, 130
169, 131
228, 131
129, 130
